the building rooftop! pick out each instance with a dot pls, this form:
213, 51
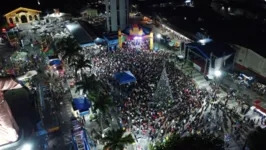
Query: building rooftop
240, 31
82, 33
208, 46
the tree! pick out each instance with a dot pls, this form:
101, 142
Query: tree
102, 102
90, 85
69, 47
117, 139
80, 63
255, 139
175, 142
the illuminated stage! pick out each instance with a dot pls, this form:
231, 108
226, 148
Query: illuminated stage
137, 33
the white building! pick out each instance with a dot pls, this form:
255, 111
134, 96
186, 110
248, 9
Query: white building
117, 14
247, 59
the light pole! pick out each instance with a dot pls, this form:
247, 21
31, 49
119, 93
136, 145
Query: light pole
217, 75
158, 36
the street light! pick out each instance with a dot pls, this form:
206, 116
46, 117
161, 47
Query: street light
26, 146
217, 73
159, 36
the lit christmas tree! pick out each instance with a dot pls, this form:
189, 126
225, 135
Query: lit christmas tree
163, 92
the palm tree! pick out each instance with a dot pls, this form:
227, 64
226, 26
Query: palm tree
175, 142
102, 102
69, 47
89, 85
117, 139
255, 139
80, 63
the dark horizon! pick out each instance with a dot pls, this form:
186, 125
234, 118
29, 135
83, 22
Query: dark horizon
33, 4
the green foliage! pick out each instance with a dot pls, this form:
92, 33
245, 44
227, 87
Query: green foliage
117, 139
101, 101
195, 142
79, 63
69, 47
89, 85
92, 117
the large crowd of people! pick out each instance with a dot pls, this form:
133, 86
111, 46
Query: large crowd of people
164, 100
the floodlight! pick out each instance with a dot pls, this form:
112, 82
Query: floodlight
202, 41
159, 36
217, 73
137, 38
26, 146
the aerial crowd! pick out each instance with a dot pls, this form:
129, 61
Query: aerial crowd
164, 100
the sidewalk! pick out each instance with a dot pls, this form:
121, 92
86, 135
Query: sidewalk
227, 83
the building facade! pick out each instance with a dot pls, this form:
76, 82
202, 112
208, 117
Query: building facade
22, 15
117, 14
247, 59
89, 12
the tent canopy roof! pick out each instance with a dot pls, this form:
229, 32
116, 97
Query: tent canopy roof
81, 104
82, 33
125, 77
208, 46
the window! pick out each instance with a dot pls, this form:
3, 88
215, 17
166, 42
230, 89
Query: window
17, 20
126, 17
11, 20
30, 17
126, 2
110, 22
213, 61
117, 4
118, 18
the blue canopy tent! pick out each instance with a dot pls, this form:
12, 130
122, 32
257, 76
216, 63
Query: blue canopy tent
55, 62
82, 104
125, 77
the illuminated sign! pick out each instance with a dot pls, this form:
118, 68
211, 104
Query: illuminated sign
79, 136
79, 140
53, 129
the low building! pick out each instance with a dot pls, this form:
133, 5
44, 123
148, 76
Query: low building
210, 57
250, 62
22, 15
84, 34
89, 12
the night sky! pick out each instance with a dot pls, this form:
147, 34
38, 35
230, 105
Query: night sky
45, 4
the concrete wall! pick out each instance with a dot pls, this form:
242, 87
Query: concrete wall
249, 59
114, 14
